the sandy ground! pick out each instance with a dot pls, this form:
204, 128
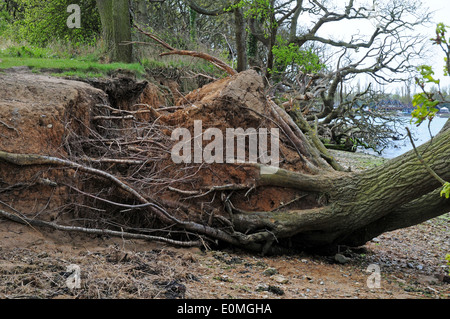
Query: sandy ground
34, 264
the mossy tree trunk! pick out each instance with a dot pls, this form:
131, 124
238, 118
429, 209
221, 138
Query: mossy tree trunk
105, 10
360, 206
115, 19
241, 40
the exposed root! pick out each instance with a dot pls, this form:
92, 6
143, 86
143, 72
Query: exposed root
114, 167
121, 234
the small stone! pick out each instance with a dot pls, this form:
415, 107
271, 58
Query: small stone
276, 290
341, 259
262, 287
270, 272
280, 279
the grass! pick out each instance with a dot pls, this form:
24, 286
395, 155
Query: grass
87, 66
61, 63
69, 67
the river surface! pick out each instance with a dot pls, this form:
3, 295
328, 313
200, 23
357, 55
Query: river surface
421, 135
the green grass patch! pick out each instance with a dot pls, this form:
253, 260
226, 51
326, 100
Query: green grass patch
183, 63
69, 67
85, 64
43, 59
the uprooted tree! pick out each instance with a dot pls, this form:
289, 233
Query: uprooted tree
76, 162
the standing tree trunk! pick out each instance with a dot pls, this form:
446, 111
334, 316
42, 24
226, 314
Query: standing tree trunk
272, 42
140, 16
241, 40
115, 19
359, 206
122, 31
105, 10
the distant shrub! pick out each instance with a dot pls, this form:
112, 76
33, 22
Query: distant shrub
43, 21
5, 19
28, 52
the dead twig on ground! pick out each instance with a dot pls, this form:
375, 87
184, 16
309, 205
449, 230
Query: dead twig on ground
121, 234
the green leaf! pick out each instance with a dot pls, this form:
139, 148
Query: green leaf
427, 73
446, 190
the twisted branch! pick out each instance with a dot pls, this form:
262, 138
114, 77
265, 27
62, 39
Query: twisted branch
172, 51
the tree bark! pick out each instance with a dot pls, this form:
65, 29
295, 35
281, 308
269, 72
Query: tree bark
360, 206
239, 29
105, 11
355, 207
241, 40
193, 24
115, 19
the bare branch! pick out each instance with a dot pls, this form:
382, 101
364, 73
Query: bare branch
172, 51
213, 12
40, 223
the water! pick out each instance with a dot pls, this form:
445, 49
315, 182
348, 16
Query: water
420, 134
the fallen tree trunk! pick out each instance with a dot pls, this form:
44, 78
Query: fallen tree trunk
360, 206
307, 202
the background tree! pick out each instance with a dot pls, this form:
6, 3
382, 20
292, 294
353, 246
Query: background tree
321, 206
33, 21
115, 17
282, 39
314, 71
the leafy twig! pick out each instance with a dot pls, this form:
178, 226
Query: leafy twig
429, 169
446, 189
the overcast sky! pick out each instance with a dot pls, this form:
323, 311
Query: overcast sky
441, 9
